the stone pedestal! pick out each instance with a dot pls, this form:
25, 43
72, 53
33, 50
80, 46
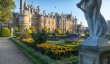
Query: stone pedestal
94, 54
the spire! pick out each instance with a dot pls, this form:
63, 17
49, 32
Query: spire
32, 2
44, 14
21, 6
38, 9
75, 18
71, 12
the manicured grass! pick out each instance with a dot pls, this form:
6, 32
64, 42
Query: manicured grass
22, 47
69, 45
62, 42
57, 42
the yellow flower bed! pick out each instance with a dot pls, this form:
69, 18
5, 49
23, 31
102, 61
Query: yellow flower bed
56, 49
28, 40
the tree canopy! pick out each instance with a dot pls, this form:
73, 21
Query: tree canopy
6, 7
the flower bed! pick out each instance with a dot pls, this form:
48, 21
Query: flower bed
56, 51
27, 40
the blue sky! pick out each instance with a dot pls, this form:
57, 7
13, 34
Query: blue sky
66, 6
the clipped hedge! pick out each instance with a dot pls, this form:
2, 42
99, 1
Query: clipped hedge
35, 56
4, 32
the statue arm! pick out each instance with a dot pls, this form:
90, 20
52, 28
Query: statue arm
80, 4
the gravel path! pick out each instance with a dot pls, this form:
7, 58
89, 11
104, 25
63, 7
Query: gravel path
10, 54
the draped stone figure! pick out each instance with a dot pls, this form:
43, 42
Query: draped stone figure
96, 22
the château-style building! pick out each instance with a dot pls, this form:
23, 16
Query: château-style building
108, 26
31, 17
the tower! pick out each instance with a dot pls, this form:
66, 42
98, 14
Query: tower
24, 17
21, 6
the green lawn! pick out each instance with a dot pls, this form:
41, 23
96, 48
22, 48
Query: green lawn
57, 42
62, 42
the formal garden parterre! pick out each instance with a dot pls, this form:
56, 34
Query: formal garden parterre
63, 52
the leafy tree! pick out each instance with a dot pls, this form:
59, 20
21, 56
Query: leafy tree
6, 7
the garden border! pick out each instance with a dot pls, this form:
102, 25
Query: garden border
32, 54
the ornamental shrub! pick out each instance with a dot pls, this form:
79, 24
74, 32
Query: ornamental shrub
32, 29
25, 35
67, 32
4, 32
41, 37
57, 31
29, 31
15, 29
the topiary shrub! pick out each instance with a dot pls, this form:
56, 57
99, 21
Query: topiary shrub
25, 35
4, 32
29, 31
15, 29
32, 29
57, 31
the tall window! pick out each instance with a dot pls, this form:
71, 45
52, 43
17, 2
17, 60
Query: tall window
49, 29
48, 21
42, 21
53, 29
52, 22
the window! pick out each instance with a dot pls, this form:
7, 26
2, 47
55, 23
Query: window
48, 21
53, 29
42, 21
60, 23
49, 29
52, 22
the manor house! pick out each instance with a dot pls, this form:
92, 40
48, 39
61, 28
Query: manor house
31, 17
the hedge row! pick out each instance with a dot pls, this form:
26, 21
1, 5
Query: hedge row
42, 59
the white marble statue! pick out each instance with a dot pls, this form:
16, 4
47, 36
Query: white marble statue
96, 22
12, 30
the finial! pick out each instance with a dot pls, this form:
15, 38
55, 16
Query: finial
32, 2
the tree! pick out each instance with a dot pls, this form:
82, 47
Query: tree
6, 7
